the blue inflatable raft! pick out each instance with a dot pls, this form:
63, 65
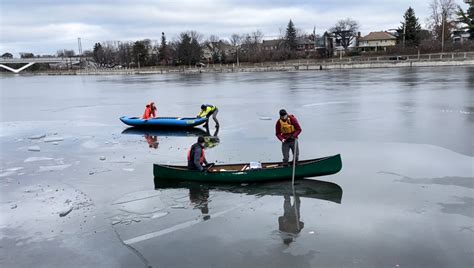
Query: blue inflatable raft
163, 122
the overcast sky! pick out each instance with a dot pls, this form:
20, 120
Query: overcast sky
45, 26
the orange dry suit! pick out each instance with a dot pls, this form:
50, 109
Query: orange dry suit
150, 111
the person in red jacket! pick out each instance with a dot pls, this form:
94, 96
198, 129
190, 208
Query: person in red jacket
150, 111
287, 131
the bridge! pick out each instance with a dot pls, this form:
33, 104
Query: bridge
30, 61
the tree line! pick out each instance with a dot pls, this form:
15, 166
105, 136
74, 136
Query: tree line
445, 21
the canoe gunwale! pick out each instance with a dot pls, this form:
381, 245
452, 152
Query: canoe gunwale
163, 122
280, 166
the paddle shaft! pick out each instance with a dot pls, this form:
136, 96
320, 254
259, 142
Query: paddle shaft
294, 162
296, 208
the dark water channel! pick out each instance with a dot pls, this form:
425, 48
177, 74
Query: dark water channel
77, 186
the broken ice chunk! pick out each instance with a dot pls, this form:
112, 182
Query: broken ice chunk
37, 137
65, 211
53, 139
34, 148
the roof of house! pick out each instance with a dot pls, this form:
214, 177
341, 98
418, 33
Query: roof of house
304, 41
275, 42
374, 36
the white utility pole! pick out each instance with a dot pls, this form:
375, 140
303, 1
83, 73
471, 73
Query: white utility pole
442, 34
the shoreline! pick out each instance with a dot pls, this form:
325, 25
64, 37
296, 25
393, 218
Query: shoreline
264, 67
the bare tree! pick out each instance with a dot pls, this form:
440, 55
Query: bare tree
345, 31
441, 21
195, 36
125, 57
235, 40
257, 37
213, 38
251, 44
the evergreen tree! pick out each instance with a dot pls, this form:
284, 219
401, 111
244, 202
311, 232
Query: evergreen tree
188, 49
140, 53
184, 49
196, 51
98, 53
163, 51
290, 36
468, 20
409, 31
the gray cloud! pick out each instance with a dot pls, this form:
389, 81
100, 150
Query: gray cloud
45, 26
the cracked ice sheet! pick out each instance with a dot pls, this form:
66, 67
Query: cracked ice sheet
36, 159
145, 202
44, 203
53, 168
220, 204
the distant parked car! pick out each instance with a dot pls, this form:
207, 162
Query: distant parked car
397, 58
200, 64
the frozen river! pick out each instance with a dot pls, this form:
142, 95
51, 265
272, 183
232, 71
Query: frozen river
78, 190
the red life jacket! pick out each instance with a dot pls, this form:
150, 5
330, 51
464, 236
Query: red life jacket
201, 160
149, 111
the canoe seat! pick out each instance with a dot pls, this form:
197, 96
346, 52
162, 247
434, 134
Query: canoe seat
272, 166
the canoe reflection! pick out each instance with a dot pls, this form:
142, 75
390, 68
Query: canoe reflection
189, 132
290, 224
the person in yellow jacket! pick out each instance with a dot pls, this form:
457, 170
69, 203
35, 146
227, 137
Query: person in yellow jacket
287, 130
206, 111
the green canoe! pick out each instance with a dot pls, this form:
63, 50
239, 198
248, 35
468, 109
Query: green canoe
242, 173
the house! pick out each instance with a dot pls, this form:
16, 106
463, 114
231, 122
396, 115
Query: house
271, 45
304, 44
217, 51
459, 37
376, 41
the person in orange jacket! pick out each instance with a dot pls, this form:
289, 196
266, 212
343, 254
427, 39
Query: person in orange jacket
150, 111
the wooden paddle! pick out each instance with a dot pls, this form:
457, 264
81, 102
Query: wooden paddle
294, 162
209, 166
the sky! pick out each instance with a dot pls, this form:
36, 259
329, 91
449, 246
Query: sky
46, 26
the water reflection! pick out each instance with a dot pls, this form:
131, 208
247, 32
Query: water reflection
199, 197
151, 135
152, 141
213, 140
289, 224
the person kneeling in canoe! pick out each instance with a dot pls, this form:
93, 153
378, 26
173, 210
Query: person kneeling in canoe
287, 131
150, 111
206, 111
196, 156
